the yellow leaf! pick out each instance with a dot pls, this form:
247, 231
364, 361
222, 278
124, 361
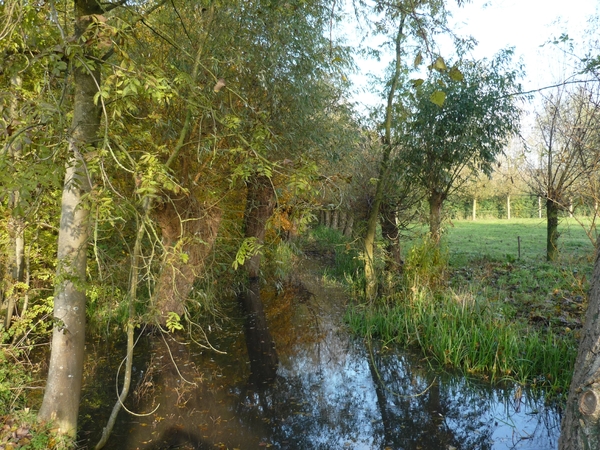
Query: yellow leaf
456, 74
439, 64
418, 59
438, 97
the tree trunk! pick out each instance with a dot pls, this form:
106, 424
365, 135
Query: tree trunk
474, 213
349, 225
261, 347
63, 386
371, 232
436, 200
16, 223
327, 218
508, 206
342, 221
552, 230
16, 227
189, 231
390, 233
539, 207
581, 421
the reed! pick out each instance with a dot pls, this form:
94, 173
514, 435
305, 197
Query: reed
463, 330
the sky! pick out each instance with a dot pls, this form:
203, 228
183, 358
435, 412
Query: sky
523, 24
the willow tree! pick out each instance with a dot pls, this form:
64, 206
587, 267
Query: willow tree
284, 93
410, 26
445, 144
567, 150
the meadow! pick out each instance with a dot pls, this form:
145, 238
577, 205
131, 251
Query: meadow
498, 239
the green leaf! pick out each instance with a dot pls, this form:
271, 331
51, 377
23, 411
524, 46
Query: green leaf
456, 74
417, 82
438, 97
173, 322
439, 64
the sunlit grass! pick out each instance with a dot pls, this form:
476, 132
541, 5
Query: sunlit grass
462, 330
499, 239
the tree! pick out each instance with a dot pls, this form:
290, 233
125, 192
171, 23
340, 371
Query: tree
568, 152
63, 387
406, 23
446, 144
581, 420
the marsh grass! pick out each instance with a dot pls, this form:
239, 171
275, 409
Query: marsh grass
483, 309
462, 330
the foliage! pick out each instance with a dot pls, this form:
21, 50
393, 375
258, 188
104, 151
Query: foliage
426, 263
468, 131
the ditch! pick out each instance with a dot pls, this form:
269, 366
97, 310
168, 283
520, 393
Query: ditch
331, 391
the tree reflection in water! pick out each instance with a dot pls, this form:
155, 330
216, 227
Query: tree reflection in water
332, 392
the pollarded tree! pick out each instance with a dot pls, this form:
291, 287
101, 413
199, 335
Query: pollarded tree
568, 151
444, 145
409, 26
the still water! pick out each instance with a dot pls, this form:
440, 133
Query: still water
332, 391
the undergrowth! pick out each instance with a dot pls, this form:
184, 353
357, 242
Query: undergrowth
487, 318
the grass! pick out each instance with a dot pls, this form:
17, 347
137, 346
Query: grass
340, 251
480, 307
499, 240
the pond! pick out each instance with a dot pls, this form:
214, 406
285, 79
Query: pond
332, 391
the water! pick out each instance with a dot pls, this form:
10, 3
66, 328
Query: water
331, 392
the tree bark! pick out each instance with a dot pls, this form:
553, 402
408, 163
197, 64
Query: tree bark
335, 219
189, 231
508, 206
552, 230
436, 200
581, 421
260, 203
349, 225
16, 223
373, 219
474, 214
390, 233
63, 386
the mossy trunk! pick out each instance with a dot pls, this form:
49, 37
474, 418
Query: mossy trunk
581, 420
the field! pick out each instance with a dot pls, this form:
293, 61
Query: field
498, 239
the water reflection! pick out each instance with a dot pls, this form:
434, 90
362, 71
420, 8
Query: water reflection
331, 392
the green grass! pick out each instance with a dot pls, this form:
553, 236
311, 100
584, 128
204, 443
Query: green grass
463, 330
339, 250
498, 239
